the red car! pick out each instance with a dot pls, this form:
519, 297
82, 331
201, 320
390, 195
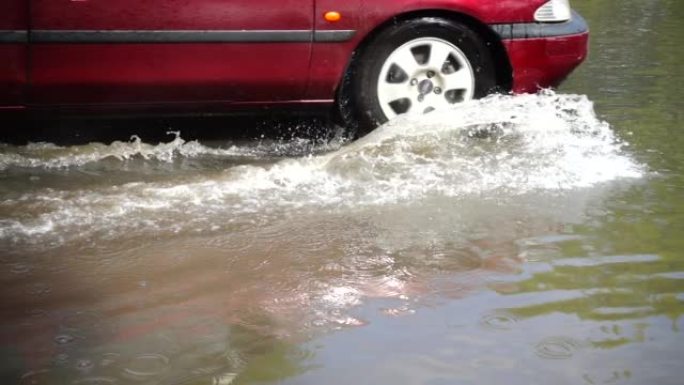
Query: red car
372, 59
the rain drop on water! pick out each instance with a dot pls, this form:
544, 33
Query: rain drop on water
84, 365
499, 320
63, 339
146, 365
557, 348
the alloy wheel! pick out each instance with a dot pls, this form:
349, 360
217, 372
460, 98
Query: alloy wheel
423, 75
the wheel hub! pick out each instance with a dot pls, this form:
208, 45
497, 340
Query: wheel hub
425, 87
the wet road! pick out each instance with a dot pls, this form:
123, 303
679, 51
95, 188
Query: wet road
547, 250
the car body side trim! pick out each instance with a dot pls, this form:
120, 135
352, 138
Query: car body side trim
13, 37
334, 36
188, 36
166, 36
575, 26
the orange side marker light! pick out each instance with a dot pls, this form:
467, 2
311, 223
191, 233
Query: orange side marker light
332, 16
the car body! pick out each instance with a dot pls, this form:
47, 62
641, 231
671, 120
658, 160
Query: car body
219, 55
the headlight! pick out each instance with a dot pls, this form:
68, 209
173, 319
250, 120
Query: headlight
553, 11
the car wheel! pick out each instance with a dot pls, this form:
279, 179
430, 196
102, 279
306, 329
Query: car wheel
418, 66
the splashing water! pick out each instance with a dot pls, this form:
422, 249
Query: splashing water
50, 156
498, 145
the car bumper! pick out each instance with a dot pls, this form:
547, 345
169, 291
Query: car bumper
542, 55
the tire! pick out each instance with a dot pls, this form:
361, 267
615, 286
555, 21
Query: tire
401, 70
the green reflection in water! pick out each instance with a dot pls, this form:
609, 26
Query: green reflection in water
634, 76
595, 278
267, 360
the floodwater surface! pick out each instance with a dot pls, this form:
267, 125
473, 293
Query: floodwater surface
521, 239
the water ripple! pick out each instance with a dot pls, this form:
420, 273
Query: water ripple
499, 320
63, 339
37, 377
557, 348
606, 260
147, 365
96, 381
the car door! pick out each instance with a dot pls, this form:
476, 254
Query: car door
160, 51
13, 52
334, 43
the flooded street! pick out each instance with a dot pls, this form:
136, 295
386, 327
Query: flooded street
525, 239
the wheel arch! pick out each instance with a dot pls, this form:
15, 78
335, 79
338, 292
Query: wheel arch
504, 71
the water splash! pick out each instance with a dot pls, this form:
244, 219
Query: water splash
50, 156
508, 145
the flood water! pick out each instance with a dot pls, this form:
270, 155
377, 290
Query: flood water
523, 240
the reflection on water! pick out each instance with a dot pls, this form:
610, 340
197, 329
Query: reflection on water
522, 240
